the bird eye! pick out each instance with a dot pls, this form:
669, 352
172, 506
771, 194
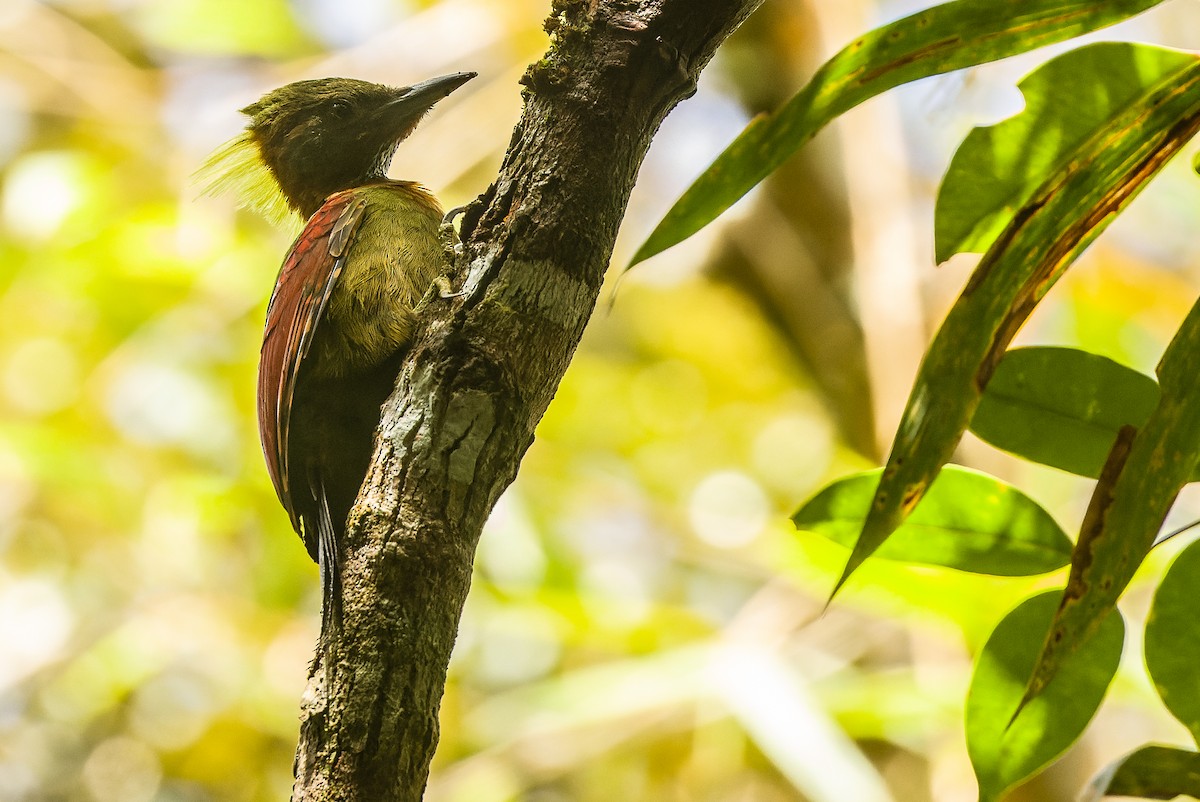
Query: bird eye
339, 109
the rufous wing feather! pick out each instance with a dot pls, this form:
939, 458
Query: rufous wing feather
302, 291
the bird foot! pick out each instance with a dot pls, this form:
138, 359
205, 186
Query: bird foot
451, 243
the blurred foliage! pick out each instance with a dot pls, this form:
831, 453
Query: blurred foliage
645, 624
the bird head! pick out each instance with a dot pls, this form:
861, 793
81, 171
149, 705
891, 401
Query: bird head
310, 139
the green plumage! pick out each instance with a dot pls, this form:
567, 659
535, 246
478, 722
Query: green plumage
393, 260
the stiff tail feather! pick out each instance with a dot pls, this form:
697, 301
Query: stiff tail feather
329, 562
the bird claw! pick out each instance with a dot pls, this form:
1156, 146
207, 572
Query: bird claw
442, 289
448, 218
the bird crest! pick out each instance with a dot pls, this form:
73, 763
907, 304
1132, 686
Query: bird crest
237, 167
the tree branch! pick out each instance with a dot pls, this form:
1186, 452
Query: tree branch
480, 376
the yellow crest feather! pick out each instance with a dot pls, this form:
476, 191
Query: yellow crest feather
237, 167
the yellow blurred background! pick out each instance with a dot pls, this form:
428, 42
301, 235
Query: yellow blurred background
644, 622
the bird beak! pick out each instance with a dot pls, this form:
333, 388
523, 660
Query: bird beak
413, 101
431, 91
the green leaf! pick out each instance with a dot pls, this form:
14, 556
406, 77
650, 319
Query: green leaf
1070, 209
941, 39
1152, 772
1173, 639
969, 521
1061, 406
1003, 753
997, 169
1128, 509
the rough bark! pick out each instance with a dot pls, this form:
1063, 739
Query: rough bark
481, 373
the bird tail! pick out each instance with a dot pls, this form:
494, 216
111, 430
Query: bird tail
329, 562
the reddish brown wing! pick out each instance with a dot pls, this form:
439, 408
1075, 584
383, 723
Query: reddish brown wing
305, 282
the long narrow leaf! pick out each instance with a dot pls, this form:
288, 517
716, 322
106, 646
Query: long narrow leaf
941, 39
1071, 207
1126, 514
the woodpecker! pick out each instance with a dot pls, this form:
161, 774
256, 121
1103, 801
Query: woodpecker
342, 312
